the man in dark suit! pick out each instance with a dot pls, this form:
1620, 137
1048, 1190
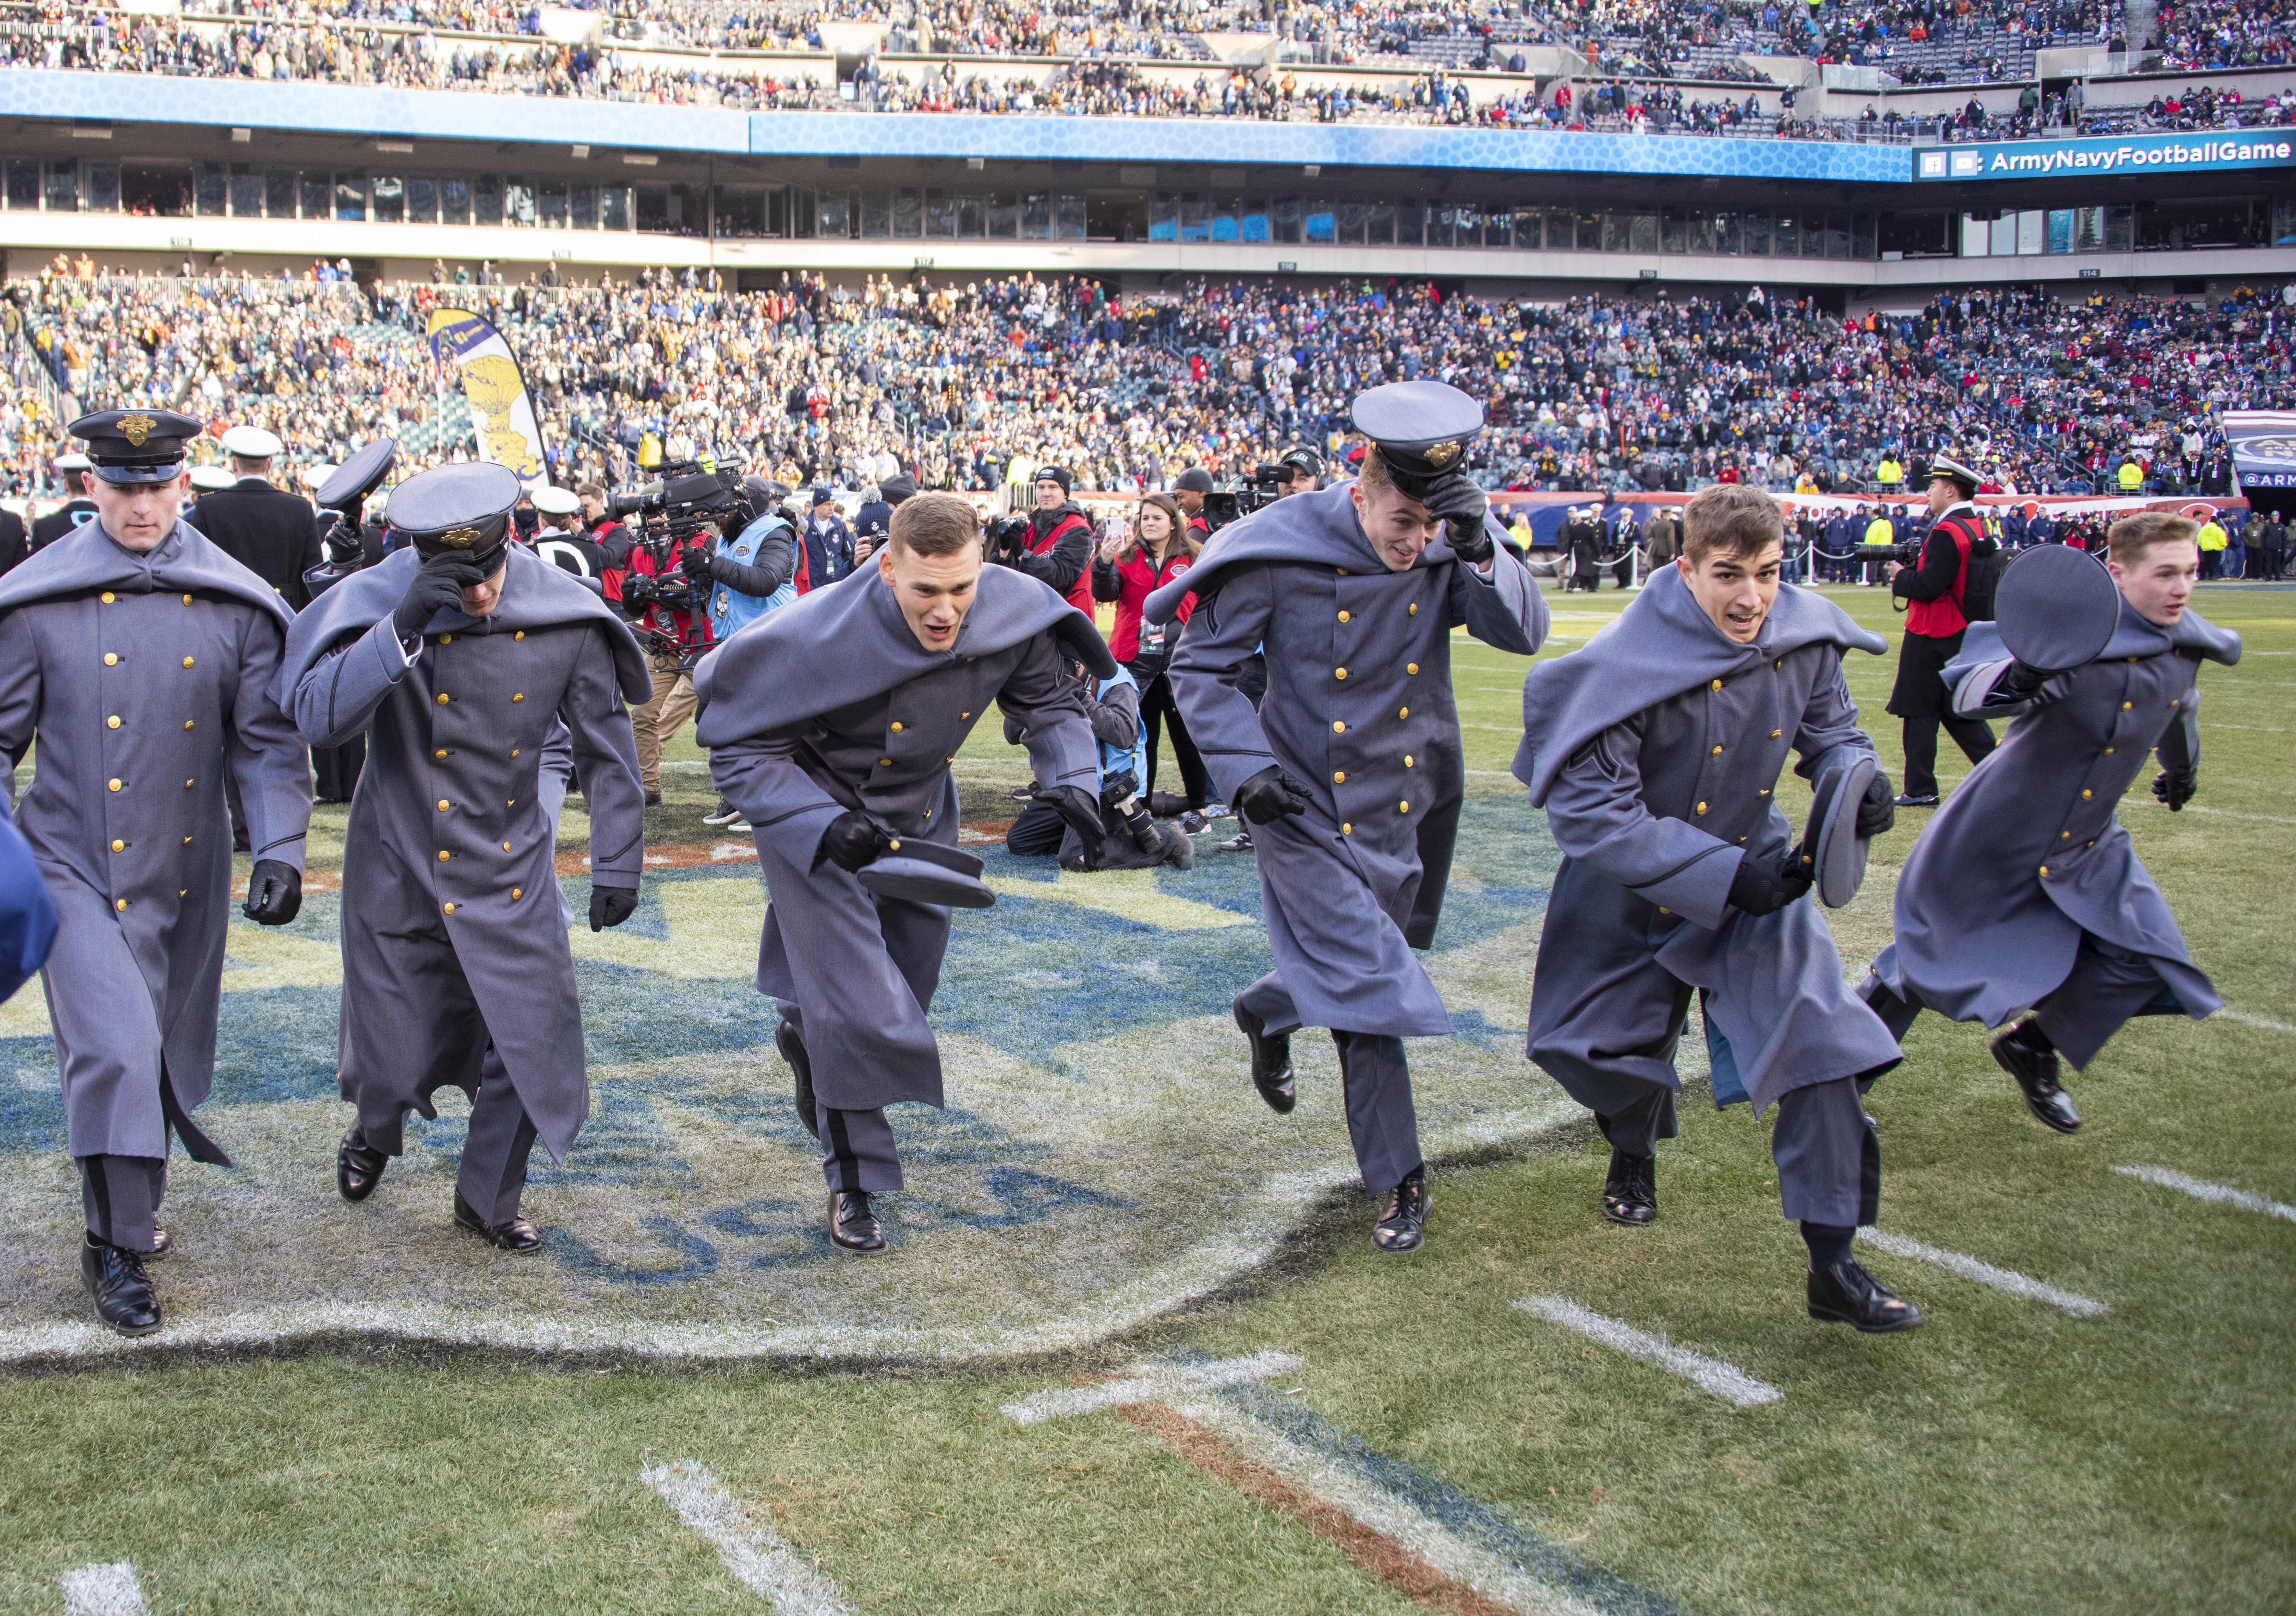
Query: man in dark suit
15, 542
77, 509
270, 532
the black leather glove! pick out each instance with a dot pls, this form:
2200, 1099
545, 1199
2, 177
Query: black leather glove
2023, 680
850, 841
1762, 888
439, 585
1269, 795
610, 906
2176, 787
694, 563
1878, 812
274, 893
1455, 497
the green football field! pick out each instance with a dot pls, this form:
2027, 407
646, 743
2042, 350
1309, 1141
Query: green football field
1133, 1351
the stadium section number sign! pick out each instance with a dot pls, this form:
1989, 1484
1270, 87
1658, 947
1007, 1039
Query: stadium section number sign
2145, 153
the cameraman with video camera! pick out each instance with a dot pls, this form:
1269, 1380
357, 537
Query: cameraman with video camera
1935, 591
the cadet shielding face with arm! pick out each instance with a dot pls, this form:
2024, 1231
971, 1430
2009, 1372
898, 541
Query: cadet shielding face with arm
466, 659
1680, 874
1354, 592
2025, 890
831, 725
138, 657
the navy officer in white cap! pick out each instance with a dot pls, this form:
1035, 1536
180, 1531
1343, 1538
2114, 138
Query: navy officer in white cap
1354, 592
271, 532
137, 657
73, 468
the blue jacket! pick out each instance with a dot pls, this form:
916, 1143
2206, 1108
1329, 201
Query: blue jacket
729, 609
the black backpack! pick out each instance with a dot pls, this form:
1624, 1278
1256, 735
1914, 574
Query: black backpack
1986, 561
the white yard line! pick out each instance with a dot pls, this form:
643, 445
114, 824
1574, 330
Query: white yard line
759, 1561
2216, 813
103, 1591
2200, 1189
1390, 1515
1151, 1383
2265, 1022
1985, 1273
1728, 1381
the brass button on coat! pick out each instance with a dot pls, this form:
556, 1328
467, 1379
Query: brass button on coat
114, 785
520, 696
449, 909
1339, 673
1339, 726
1411, 668
443, 805
444, 698
896, 726
113, 722
1340, 778
111, 657
1347, 829
1414, 609
187, 661
1717, 752
119, 904
1343, 617
1701, 807
1403, 712
1717, 684
105, 597
120, 847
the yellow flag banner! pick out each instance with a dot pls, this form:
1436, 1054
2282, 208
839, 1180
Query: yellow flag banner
502, 414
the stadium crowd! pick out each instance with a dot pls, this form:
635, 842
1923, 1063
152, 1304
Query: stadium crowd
960, 383
461, 44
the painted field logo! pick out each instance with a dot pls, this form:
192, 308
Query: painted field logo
1098, 1101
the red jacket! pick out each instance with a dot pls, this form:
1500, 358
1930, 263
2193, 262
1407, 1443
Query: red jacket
1129, 583
1079, 593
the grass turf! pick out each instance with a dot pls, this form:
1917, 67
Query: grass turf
2006, 1457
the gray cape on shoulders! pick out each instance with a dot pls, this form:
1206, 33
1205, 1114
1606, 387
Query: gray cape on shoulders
1661, 645
1316, 530
846, 641
87, 559
535, 595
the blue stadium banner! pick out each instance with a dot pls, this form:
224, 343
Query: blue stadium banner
2125, 154
2263, 447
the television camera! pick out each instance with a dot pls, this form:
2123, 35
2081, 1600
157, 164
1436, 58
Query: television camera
688, 499
1240, 497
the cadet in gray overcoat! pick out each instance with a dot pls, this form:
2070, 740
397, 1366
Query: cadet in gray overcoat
1679, 872
461, 656
831, 725
2025, 889
138, 656
1355, 592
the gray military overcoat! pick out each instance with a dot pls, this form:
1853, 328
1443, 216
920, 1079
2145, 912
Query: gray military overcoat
1358, 707
453, 932
144, 680
2028, 853
1654, 805
830, 704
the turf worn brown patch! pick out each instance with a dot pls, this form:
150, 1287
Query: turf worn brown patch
1378, 1556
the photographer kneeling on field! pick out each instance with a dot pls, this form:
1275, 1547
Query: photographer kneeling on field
1131, 840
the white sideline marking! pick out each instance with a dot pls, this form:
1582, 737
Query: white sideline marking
1728, 1381
2196, 808
2200, 1189
1393, 1517
1151, 1383
1985, 1273
2246, 1020
759, 1561
103, 1591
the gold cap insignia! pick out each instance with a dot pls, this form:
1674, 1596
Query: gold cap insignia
459, 538
136, 429
1441, 454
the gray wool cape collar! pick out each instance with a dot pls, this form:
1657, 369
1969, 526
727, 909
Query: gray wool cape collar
185, 561
1660, 647
535, 595
848, 642
1316, 530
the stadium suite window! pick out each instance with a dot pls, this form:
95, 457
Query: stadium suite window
246, 191
1003, 216
941, 216
1411, 224
1352, 216
421, 200
388, 204
582, 207
518, 202
60, 193
279, 192
487, 198
100, 187
550, 207
210, 191
614, 209
876, 215
350, 194
453, 202
1035, 216
318, 195
835, 215
24, 184
908, 214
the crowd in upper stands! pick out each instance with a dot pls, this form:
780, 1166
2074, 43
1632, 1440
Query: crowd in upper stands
1100, 50
810, 380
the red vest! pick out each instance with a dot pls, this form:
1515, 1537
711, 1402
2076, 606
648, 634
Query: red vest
1941, 618
1079, 592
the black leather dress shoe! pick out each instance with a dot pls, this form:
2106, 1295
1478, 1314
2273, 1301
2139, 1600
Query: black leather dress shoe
1271, 1062
1845, 1293
125, 1300
358, 1169
1403, 1226
1907, 799
512, 1235
1630, 1192
801, 1065
162, 1243
853, 1224
2035, 1072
